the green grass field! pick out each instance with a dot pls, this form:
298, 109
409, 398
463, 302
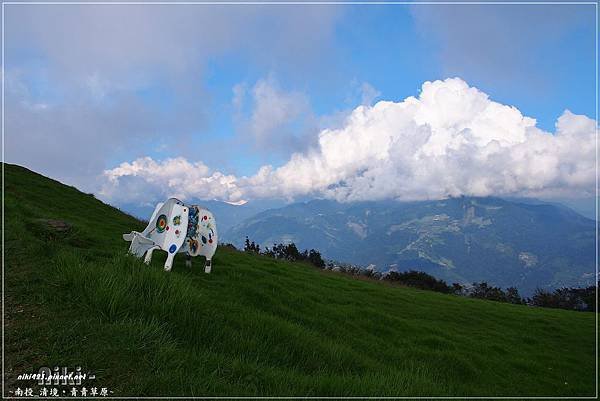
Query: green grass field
256, 326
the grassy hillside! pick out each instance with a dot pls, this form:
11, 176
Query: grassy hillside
256, 326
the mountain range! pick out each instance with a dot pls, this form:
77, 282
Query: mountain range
522, 243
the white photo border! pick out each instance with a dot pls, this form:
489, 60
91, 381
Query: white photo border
367, 3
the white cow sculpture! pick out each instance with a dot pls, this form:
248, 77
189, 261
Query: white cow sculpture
175, 227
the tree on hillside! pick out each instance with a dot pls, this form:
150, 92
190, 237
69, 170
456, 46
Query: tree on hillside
371, 273
269, 252
292, 252
582, 299
588, 297
457, 289
288, 252
512, 296
314, 257
418, 279
484, 291
251, 246
544, 298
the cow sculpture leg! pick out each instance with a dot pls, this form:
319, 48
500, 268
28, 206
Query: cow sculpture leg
207, 266
149, 252
188, 260
169, 262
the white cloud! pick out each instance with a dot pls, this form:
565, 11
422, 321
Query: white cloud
177, 177
274, 108
451, 140
274, 119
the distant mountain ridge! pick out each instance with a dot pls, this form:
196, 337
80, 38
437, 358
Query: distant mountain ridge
466, 239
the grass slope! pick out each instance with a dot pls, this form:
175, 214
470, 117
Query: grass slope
256, 326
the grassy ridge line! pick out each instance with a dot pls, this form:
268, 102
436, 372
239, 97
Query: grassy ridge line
257, 326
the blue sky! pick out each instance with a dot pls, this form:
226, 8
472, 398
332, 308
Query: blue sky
119, 83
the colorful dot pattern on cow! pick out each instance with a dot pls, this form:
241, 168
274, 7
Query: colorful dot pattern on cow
201, 231
161, 223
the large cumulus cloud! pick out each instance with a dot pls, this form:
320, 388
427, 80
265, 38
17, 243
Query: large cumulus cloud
450, 140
